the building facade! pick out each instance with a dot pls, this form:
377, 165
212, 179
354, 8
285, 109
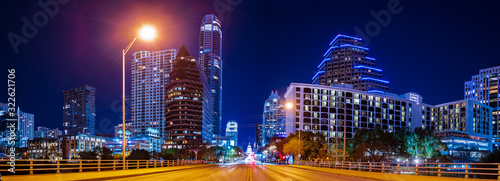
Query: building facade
44, 132
232, 132
273, 118
184, 122
211, 63
324, 109
259, 134
150, 75
151, 142
25, 125
44, 148
72, 145
484, 88
79, 111
347, 62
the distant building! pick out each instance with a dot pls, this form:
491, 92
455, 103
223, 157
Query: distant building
484, 88
119, 130
184, 123
211, 64
25, 125
222, 141
232, 132
150, 75
44, 132
273, 118
259, 134
44, 148
150, 142
347, 62
72, 145
79, 111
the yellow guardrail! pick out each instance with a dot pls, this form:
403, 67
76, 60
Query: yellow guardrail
75, 165
433, 169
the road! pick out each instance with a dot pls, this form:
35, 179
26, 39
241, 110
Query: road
242, 171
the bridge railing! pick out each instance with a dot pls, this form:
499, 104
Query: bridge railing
465, 170
35, 166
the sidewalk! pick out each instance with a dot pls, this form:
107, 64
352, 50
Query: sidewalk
96, 175
384, 176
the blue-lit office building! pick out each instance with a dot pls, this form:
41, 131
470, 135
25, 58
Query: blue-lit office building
273, 118
347, 62
484, 88
211, 63
150, 142
79, 111
25, 125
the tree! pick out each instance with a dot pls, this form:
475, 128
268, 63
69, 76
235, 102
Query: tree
88, 155
313, 145
421, 143
375, 143
137, 154
493, 157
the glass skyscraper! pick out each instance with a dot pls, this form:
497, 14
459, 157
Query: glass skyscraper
273, 118
347, 62
25, 126
150, 75
232, 132
79, 111
211, 63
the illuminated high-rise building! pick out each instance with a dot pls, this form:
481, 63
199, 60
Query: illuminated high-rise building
79, 111
347, 62
484, 88
211, 63
187, 100
150, 75
232, 132
273, 118
25, 126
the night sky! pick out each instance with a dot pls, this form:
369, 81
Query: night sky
429, 48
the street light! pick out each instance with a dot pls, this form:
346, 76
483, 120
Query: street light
289, 105
146, 33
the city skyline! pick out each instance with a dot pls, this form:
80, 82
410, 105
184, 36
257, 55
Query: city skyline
419, 75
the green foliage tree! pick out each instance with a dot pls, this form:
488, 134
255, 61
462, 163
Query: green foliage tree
421, 143
88, 155
139, 155
375, 143
312, 145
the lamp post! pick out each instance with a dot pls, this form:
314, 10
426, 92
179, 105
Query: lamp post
146, 33
290, 105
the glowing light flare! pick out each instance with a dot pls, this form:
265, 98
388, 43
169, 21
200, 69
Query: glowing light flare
289, 105
147, 33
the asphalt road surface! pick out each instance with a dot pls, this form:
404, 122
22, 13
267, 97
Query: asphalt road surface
248, 172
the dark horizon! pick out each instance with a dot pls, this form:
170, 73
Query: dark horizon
428, 49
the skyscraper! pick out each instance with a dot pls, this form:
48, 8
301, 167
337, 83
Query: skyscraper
25, 125
259, 134
484, 88
347, 62
79, 111
150, 75
211, 63
184, 123
232, 132
273, 118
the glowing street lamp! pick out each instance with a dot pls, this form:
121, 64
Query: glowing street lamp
146, 33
